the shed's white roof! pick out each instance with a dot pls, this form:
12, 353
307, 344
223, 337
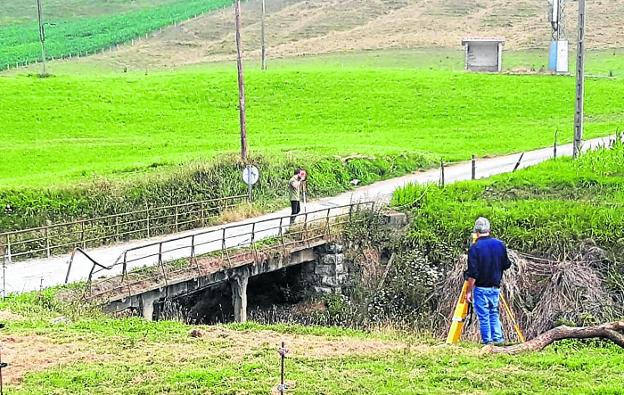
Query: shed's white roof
483, 40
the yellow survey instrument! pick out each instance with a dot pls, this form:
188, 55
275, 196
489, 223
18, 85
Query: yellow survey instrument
459, 317
512, 317
463, 307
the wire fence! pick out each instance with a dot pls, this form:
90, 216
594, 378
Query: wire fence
46, 241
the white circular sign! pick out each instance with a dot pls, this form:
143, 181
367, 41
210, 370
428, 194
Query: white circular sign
251, 175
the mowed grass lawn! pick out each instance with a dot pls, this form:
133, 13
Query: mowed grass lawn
65, 129
95, 354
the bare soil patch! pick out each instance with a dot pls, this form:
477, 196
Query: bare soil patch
299, 27
32, 353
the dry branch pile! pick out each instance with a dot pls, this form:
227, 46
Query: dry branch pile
542, 293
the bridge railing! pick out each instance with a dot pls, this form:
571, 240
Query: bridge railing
46, 241
165, 261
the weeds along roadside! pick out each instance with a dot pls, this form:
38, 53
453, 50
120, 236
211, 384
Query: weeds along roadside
221, 177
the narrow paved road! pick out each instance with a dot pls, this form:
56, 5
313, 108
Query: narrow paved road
30, 275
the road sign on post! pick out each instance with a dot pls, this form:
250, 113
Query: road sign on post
251, 175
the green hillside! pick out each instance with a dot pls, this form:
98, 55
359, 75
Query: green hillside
67, 129
92, 26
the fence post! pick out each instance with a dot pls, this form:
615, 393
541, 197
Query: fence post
555, 144
253, 233
223, 240
474, 167
441, 174
160, 263
201, 214
193, 248
47, 239
4, 271
147, 218
281, 230
176, 219
116, 227
124, 269
8, 249
82, 235
518, 163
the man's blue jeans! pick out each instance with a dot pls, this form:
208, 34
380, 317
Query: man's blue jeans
485, 301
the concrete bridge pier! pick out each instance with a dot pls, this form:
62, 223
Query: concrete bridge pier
239, 295
147, 304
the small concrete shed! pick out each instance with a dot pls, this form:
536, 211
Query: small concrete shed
484, 54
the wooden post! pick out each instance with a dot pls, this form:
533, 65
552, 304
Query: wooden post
241, 84
555, 144
47, 239
262, 33
147, 219
474, 167
441, 174
176, 219
82, 235
518, 163
8, 249
116, 227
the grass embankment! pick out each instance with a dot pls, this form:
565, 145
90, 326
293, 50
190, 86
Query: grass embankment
551, 209
68, 130
101, 355
93, 27
65, 129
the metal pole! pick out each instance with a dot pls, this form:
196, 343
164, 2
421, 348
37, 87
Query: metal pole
580, 81
264, 66
241, 84
42, 38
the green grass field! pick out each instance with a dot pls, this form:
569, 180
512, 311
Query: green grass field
66, 129
100, 355
551, 209
17, 12
89, 27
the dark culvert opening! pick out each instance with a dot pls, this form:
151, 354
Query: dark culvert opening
265, 293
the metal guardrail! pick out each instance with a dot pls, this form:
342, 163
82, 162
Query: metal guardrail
160, 261
45, 241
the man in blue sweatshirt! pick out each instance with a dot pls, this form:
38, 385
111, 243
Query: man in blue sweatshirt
487, 260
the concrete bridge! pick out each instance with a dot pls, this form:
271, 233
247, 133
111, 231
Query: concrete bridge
244, 252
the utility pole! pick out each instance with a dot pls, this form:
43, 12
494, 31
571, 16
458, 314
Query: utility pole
241, 84
42, 38
580, 81
262, 34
